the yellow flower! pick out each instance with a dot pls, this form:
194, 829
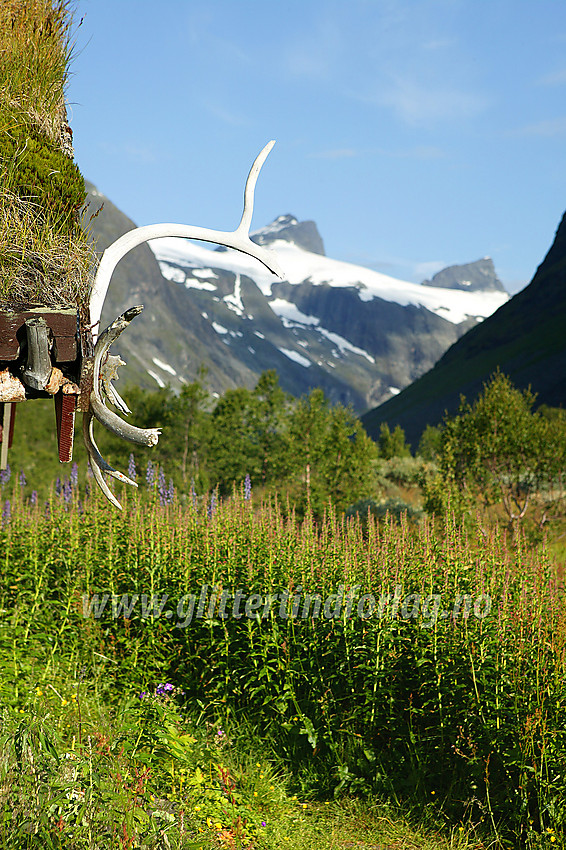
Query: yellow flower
272, 787
39, 692
64, 702
198, 808
433, 792
255, 793
218, 825
208, 822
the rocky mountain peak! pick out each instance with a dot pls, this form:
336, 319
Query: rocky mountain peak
471, 277
304, 234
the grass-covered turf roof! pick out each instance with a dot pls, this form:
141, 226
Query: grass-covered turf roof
44, 254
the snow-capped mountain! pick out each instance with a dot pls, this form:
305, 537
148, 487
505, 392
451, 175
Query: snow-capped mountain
376, 332
359, 335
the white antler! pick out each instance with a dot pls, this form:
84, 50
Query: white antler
238, 239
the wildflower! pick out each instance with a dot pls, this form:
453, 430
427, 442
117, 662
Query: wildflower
162, 487
132, 473
212, 506
170, 491
67, 491
64, 702
150, 473
58, 486
5, 474
6, 512
263, 823
75, 475
247, 487
33, 497
22, 479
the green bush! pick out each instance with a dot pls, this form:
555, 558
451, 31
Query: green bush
37, 170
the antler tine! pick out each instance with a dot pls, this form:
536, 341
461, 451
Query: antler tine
98, 464
238, 239
249, 191
110, 420
108, 372
116, 398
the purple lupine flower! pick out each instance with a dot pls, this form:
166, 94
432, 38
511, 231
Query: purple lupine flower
170, 491
33, 497
67, 491
75, 475
150, 473
211, 505
162, 487
6, 512
132, 473
163, 689
247, 487
58, 486
89, 472
22, 479
5, 474
87, 490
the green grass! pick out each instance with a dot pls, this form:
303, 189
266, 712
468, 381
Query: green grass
458, 721
44, 254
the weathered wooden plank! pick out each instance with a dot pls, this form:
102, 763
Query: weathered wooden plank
63, 325
65, 406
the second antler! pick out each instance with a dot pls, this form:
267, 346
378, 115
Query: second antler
105, 364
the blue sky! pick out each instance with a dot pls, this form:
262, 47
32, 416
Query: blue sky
416, 133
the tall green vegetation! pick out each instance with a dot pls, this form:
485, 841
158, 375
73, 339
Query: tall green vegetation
44, 255
423, 664
307, 449
498, 451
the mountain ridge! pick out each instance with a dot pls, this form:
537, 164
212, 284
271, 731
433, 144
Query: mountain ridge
525, 339
359, 335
